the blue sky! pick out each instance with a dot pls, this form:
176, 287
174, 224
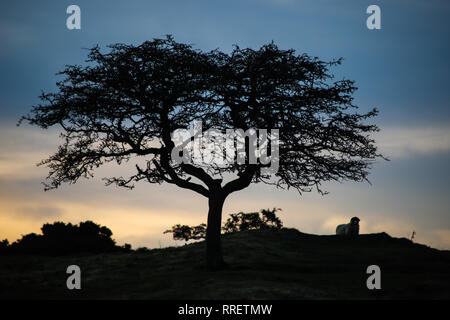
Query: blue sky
402, 69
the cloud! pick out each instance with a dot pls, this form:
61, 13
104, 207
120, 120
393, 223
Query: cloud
22, 148
403, 142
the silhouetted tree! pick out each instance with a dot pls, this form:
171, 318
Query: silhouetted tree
199, 232
252, 221
270, 219
186, 233
128, 101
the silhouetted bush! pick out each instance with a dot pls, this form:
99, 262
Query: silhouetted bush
184, 232
126, 247
265, 219
4, 246
61, 238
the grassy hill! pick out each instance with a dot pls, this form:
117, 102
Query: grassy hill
265, 264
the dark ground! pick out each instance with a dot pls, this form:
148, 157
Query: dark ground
265, 264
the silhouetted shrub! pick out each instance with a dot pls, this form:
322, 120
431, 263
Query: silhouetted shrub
61, 238
270, 219
29, 243
265, 219
4, 246
184, 232
126, 247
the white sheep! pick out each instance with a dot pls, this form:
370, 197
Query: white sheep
349, 229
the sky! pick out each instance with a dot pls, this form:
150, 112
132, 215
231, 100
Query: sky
403, 69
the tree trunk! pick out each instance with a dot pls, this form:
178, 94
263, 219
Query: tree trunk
214, 258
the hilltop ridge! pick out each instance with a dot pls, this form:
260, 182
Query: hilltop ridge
264, 264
